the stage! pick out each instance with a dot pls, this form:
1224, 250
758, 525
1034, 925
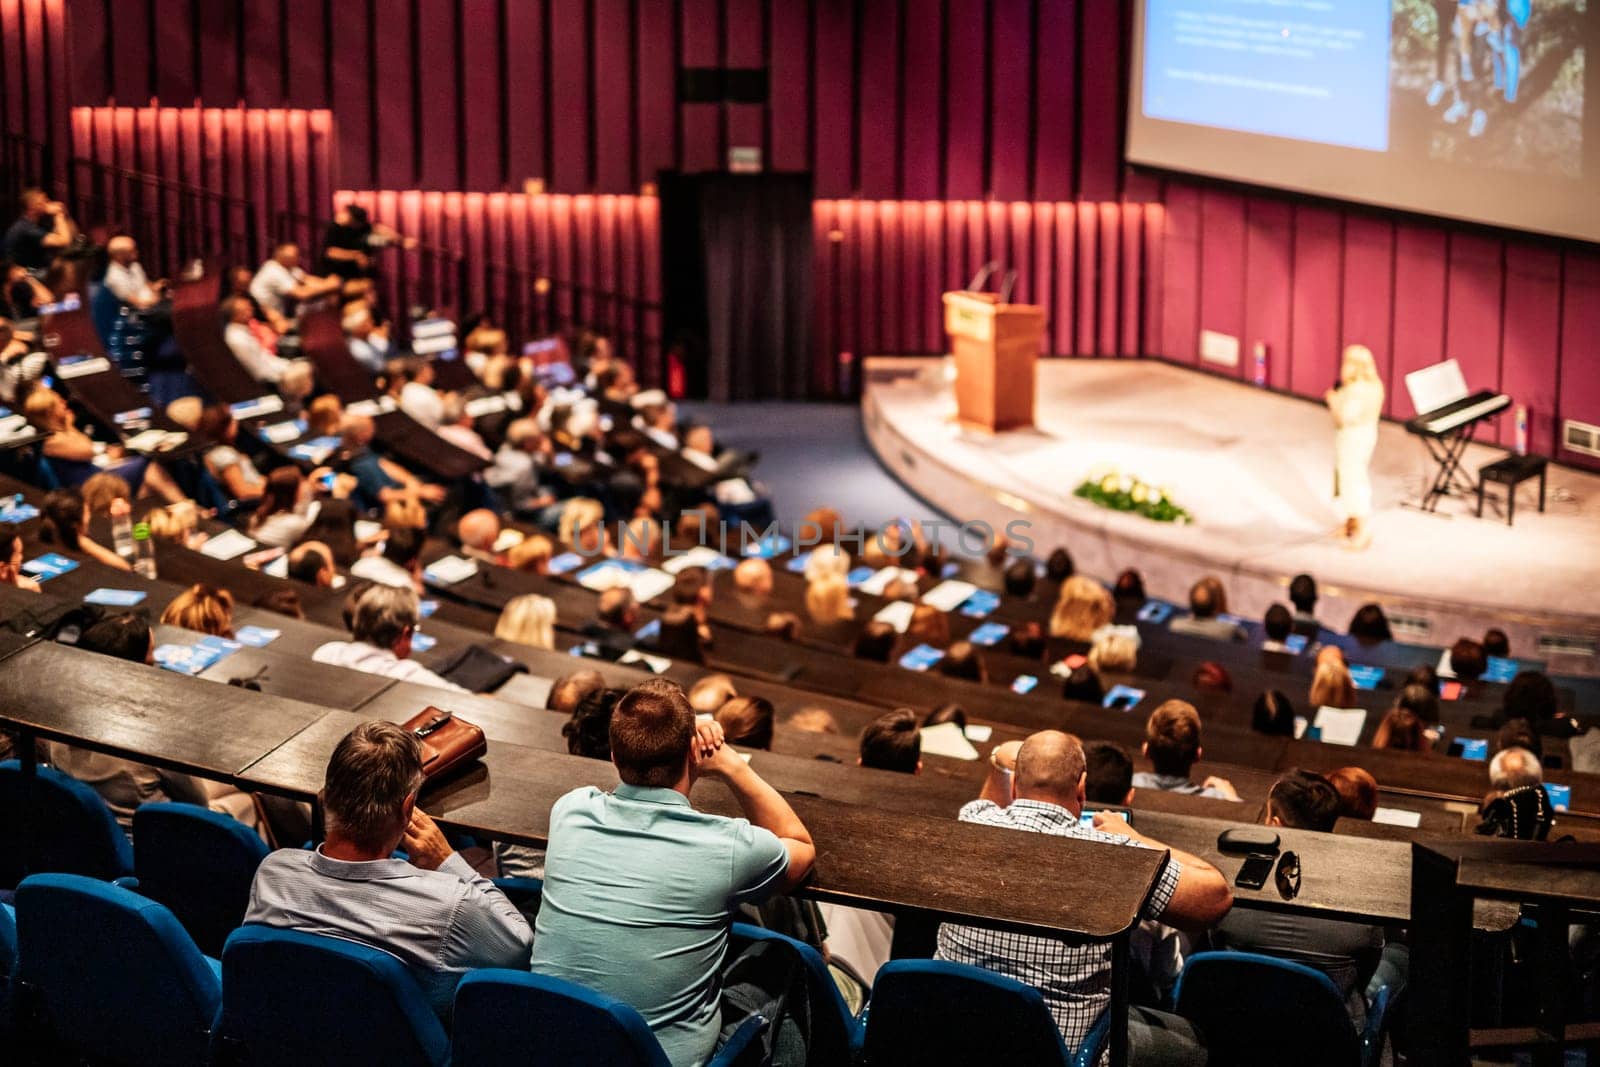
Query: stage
1255, 468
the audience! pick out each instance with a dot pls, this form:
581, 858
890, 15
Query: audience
11, 572
951, 712
1517, 805
1370, 626
1467, 661
203, 609
747, 722
569, 690
400, 562
1172, 745
233, 469
1108, 774
1358, 792
1303, 595
876, 642
782, 625
712, 691
1114, 651
1332, 686
1278, 624
431, 910
1496, 643
828, 599
1207, 601
529, 619
1211, 677
892, 742
1082, 607
1348, 953
639, 886
964, 661
382, 625
66, 522
1273, 714
1083, 683
813, 721
611, 631
753, 578
1039, 785
281, 283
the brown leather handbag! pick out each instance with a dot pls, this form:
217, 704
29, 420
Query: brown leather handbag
448, 741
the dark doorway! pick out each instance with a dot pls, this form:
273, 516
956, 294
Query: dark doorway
736, 282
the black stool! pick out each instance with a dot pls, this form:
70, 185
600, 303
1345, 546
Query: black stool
1511, 472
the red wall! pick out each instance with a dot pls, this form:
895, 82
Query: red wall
962, 101
33, 84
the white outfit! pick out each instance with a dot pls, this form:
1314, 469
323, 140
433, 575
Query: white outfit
260, 364
272, 285
360, 656
383, 571
284, 528
129, 283
1355, 407
423, 403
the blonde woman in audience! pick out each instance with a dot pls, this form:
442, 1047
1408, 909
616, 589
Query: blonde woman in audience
528, 620
928, 625
828, 600
176, 524
1114, 653
826, 560
531, 554
747, 722
1400, 730
1332, 687
202, 608
710, 693
78, 457
185, 411
1082, 607
324, 416
583, 526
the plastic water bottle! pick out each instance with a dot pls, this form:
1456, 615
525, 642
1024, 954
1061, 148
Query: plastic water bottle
144, 552
1261, 363
1522, 430
122, 531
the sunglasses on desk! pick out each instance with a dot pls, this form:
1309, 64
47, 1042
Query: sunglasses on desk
1287, 876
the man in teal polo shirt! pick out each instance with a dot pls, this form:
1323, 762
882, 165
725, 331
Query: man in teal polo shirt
640, 888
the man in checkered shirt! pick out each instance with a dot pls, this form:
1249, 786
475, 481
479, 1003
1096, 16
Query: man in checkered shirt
1038, 785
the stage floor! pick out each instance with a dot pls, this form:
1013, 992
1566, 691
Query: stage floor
1256, 470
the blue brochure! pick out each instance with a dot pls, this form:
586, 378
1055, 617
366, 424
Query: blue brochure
115, 598
921, 658
1501, 670
1365, 677
1023, 683
1155, 611
565, 562
421, 642
1122, 698
980, 604
989, 634
257, 636
50, 565
1560, 795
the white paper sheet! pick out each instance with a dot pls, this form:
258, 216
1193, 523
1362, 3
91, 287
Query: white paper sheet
946, 739
227, 545
698, 556
1397, 817
657, 664
647, 585
1340, 726
896, 613
949, 595
875, 585
979, 733
449, 570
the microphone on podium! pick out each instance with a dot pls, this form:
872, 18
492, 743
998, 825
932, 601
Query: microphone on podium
982, 277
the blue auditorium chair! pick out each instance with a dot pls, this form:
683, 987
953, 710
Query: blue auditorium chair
111, 975
934, 1011
1256, 1009
8, 963
296, 998
836, 1035
63, 826
199, 863
506, 1018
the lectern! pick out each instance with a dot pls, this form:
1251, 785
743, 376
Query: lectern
996, 346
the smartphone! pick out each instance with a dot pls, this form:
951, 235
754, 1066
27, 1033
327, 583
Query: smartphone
1255, 872
327, 481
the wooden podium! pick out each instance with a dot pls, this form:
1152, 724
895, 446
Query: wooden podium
996, 346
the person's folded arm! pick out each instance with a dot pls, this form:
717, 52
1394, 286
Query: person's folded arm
1201, 897
486, 929
763, 805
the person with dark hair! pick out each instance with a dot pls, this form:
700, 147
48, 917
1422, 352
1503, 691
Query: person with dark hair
66, 523
570, 689
1303, 595
892, 742
400, 563
1109, 774
1358, 792
964, 661
311, 562
1400, 730
1278, 624
1083, 684
1273, 714
1517, 733
335, 527
1172, 745
431, 910
1425, 675
588, 729
1207, 601
616, 617
876, 642
1467, 660
747, 722
1348, 953
234, 470
679, 636
1532, 697
1370, 626
640, 888
783, 625
1020, 578
1027, 640
1496, 643
1212, 677
11, 572
123, 784
282, 601
951, 712
1058, 566
1421, 702
1040, 785
1129, 587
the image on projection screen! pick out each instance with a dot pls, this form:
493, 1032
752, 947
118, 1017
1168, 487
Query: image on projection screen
1471, 109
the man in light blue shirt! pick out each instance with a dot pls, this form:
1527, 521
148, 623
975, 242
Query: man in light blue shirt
640, 887
434, 913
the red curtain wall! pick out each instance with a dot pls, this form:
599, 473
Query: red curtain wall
937, 134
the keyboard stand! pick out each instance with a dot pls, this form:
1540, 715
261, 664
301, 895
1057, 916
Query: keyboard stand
1450, 480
